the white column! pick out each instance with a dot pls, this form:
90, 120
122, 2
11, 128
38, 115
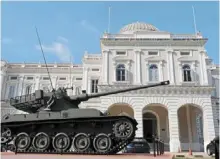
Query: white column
180, 72
54, 82
204, 68
189, 125
128, 68
89, 85
137, 66
37, 82
85, 78
20, 86
138, 115
170, 63
147, 72
105, 69
2, 84
173, 129
114, 72
193, 72
208, 126
201, 70
161, 71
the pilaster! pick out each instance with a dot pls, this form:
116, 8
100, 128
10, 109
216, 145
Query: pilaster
170, 66
201, 69
105, 69
3, 75
54, 81
20, 85
173, 129
89, 85
208, 128
37, 82
204, 66
85, 78
161, 71
137, 66
138, 115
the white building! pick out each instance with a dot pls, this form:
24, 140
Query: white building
184, 114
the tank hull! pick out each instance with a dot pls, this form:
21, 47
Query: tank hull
68, 132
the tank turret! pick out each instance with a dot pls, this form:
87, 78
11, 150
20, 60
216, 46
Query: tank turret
59, 100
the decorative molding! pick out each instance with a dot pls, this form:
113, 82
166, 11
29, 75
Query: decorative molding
162, 91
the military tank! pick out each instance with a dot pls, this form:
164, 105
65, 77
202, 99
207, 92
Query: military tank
54, 123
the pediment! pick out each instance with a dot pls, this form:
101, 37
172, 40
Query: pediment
121, 58
187, 58
154, 58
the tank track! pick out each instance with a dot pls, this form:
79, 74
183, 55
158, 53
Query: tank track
93, 128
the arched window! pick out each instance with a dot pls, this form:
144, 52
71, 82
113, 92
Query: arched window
153, 73
28, 89
120, 72
187, 73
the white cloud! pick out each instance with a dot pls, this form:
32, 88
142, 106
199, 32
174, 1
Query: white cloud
62, 39
85, 24
6, 40
58, 48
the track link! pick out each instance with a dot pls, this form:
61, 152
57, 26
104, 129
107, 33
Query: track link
118, 145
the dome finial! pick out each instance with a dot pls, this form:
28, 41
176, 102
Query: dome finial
138, 26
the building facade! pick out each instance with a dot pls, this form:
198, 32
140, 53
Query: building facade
183, 114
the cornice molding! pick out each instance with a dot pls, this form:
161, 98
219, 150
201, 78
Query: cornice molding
162, 90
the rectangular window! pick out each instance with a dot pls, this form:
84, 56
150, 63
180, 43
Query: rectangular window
62, 78
78, 79
187, 76
30, 78
184, 53
94, 86
95, 69
13, 78
153, 74
11, 92
120, 75
46, 78
152, 53
120, 53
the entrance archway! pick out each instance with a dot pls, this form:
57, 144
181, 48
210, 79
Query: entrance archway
159, 122
150, 126
191, 128
121, 109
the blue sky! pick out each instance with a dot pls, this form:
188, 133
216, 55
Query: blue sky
71, 28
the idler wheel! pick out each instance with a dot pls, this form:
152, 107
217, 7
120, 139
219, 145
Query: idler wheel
22, 141
102, 143
123, 129
41, 141
61, 142
5, 135
81, 142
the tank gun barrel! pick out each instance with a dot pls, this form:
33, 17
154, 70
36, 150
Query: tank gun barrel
128, 89
85, 96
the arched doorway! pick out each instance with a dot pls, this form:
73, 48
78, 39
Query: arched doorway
156, 122
191, 128
150, 127
121, 109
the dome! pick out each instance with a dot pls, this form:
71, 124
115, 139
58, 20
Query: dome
138, 26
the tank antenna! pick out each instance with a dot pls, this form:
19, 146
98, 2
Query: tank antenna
44, 58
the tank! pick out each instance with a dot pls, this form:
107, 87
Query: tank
54, 123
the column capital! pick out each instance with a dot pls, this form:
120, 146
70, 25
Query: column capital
105, 51
137, 50
85, 68
170, 51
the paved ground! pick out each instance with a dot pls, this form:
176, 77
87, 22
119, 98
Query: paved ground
9, 155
